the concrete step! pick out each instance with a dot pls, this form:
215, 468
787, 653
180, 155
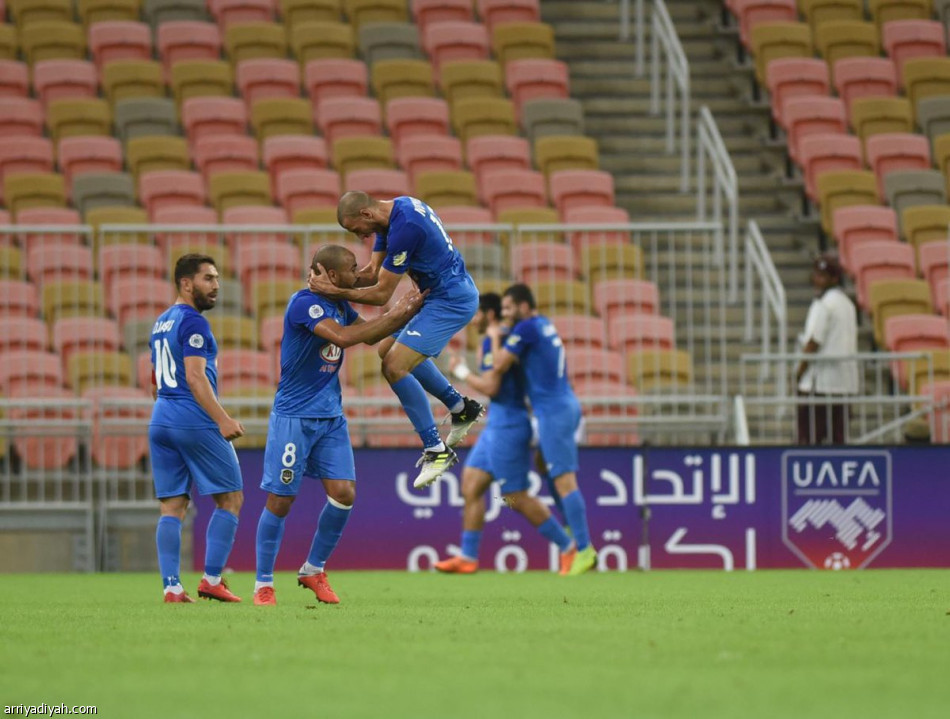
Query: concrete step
719, 106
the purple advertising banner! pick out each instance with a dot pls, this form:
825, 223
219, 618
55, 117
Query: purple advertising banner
722, 508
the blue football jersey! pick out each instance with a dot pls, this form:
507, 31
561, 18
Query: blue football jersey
508, 405
536, 343
309, 365
179, 332
417, 243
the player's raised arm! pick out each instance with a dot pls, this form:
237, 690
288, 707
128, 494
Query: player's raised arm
204, 395
369, 275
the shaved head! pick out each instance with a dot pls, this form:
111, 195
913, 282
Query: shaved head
332, 257
351, 203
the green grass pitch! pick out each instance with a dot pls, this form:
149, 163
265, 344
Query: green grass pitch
665, 644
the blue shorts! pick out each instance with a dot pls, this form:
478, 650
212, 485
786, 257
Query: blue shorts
182, 457
440, 319
557, 428
505, 454
298, 447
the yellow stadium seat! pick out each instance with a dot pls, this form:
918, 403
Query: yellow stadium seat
886, 10
875, 115
926, 77
249, 40
444, 189
649, 370
233, 332
236, 402
941, 152
297, 11
402, 78
318, 40
74, 298
362, 366
33, 189
921, 372
118, 215
11, 263
123, 79
27, 12
361, 12
925, 223
315, 216
362, 152
281, 116
530, 216
889, 298
471, 78
199, 78
773, 40
91, 11
817, 12
474, 116
608, 261
842, 189
95, 369
846, 38
565, 152
269, 297
8, 42
156, 152
77, 117
563, 297
52, 40
233, 189
521, 40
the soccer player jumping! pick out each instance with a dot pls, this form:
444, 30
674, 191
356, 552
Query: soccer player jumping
410, 239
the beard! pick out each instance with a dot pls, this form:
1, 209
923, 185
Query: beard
202, 301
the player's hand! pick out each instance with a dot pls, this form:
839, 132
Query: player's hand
321, 284
231, 429
409, 303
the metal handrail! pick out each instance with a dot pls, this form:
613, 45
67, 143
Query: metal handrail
759, 266
664, 38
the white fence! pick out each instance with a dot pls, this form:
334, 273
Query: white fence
665, 46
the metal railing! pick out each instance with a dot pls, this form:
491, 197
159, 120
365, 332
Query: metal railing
765, 293
666, 46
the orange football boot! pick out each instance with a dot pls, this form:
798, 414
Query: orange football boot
320, 586
265, 597
219, 591
457, 565
567, 559
182, 598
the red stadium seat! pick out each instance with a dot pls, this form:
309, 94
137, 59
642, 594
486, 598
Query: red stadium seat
534, 79
827, 152
581, 188
225, 153
533, 262
426, 12
509, 189
82, 155
614, 403
348, 117
293, 152
40, 216
616, 298
934, 264
893, 151
594, 216
910, 333
497, 12
254, 215
806, 116
187, 40
129, 260
205, 116
25, 154
857, 225
633, 332
266, 260
184, 215
857, 77
243, 368
137, 298
456, 40
271, 332
48, 262
164, 188
754, 12
24, 368
48, 451
409, 116
580, 330
23, 333
64, 79
595, 364
20, 116
233, 12
453, 216
789, 77
378, 183
429, 153
18, 299
301, 189
14, 79
112, 406
904, 39
335, 77
79, 334
119, 40
881, 261
488, 153
263, 78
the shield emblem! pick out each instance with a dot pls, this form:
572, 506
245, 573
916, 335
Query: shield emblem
836, 506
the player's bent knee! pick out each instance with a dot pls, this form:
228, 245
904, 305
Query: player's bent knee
230, 501
279, 505
342, 493
174, 507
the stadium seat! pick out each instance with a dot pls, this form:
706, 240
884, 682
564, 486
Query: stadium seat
454, 41
77, 117
659, 370
562, 298
860, 77
541, 118
875, 115
139, 298
771, 41
490, 153
22, 333
18, 299
925, 77
123, 79
64, 79
19, 117
806, 116
839, 39
592, 363
889, 298
25, 153
14, 79
429, 153
296, 11
33, 189
401, 78
8, 42
941, 300
186, 40
210, 116
26, 368
114, 405
922, 224
555, 153
470, 78
233, 12
795, 77
119, 40
49, 262
94, 12
268, 78
145, 116
637, 332
609, 260
904, 39
255, 215
225, 153
322, 40
360, 12
83, 155
159, 12
827, 152
240, 368
533, 262
258, 260
255, 40
888, 152
453, 217
316, 216
619, 298
72, 298
817, 12
201, 78
52, 40
102, 189
915, 187
269, 297
507, 189
388, 41
407, 116
335, 77
447, 189
169, 188
84, 334
427, 12
49, 451
475, 116
911, 333
882, 260
581, 188
129, 260
521, 216
884, 11
340, 117
522, 40
46, 216
300, 189
580, 331
857, 225
362, 153
188, 214
26, 12
159, 152
756, 12
96, 368
231, 189
292, 152
497, 12
378, 183
281, 116
934, 264
11, 262
597, 216
933, 116
842, 189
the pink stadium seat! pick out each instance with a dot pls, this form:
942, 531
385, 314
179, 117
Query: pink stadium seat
912, 332
934, 263
82, 155
940, 417
137, 298
204, 116
789, 77
594, 216
856, 225
426, 12
496, 12
581, 188
46, 452
20, 116
119, 40
14, 79
23, 368
378, 183
243, 368
262, 78
24, 154
905, 39
301, 189
857, 77
488, 153
536, 78
293, 152
263, 259
78, 334
507, 189
408, 116
455, 40
18, 299
225, 153
184, 215
827, 152
616, 397
23, 333
580, 330
64, 79
5, 219
132, 260
335, 77
111, 449
894, 151
881, 261
453, 216
51, 262
632, 332
188, 40
348, 117
254, 215
48, 216
232, 12
164, 188
143, 371
616, 298
271, 333
941, 298
595, 364
533, 262
429, 153
755, 12
806, 116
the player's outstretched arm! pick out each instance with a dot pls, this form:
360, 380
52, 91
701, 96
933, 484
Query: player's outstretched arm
204, 395
374, 330
369, 275
488, 383
378, 294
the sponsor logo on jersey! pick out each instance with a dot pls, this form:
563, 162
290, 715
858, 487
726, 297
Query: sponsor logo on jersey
331, 353
316, 311
413, 333
399, 260
196, 341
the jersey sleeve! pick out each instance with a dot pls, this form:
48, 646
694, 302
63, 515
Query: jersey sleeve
307, 310
488, 360
523, 335
404, 238
195, 337
349, 314
379, 245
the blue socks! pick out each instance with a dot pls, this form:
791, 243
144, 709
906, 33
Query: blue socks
435, 383
575, 511
168, 541
333, 519
416, 405
552, 490
552, 531
471, 541
220, 539
270, 530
